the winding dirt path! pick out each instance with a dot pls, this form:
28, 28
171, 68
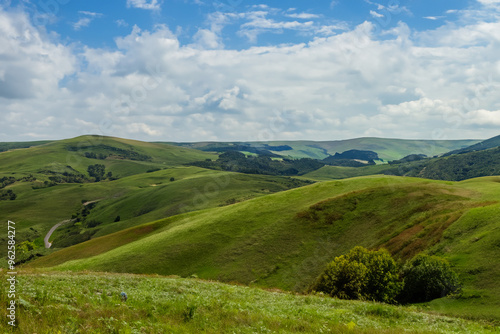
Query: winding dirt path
46, 239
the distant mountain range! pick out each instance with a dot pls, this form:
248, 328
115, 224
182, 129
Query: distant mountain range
386, 149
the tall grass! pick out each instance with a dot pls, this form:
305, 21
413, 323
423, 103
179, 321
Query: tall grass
91, 303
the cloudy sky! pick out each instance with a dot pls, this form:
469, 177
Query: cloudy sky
239, 70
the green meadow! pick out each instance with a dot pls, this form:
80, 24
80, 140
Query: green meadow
273, 242
173, 236
143, 191
91, 303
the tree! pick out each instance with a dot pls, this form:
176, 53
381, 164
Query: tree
97, 171
361, 274
427, 278
343, 279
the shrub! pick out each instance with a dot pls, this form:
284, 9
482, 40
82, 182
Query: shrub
427, 278
361, 274
96, 171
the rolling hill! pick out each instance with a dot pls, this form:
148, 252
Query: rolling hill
387, 149
455, 167
6, 146
284, 240
484, 145
149, 182
152, 212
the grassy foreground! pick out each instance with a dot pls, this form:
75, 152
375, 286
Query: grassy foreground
90, 303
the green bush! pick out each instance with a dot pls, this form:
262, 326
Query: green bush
361, 274
427, 278
96, 171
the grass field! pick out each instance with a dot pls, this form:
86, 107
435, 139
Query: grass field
267, 241
90, 303
161, 217
145, 191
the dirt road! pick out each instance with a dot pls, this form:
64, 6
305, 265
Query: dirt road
46, 239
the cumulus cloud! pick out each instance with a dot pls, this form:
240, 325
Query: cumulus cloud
30, 66
343, 85
484, 118
144, 4
489, 2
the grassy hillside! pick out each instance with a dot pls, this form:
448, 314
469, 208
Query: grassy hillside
135, 199
16, 145
123, 157
141, 191
484, 145
392, 149
327, 173
387, 149
284, 240
456, 167
90, 303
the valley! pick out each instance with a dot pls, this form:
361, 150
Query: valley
133, 208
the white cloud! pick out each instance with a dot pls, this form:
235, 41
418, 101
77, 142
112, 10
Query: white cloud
144, 4
208, 39
142, 128
30, 65
433, 18
91, 14
489, 2
343, 84
121, 23
258, 23
305, 16
375, 14
85, 21
484, 118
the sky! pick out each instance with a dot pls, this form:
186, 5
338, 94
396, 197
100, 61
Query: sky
241, 70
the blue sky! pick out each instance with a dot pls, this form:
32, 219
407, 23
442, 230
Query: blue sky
97, 23
193, 70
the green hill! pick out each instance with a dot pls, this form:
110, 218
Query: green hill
16, 145
121, 156
284, 240
328, 173
90, 303
456, 167
149, 182
387, 149
484, 145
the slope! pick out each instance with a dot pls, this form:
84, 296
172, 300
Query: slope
484, 145
121, 156
284, 240
149, 182
6, 146
456, 167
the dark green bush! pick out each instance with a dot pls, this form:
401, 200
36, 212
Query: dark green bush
427, 278
361, 274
